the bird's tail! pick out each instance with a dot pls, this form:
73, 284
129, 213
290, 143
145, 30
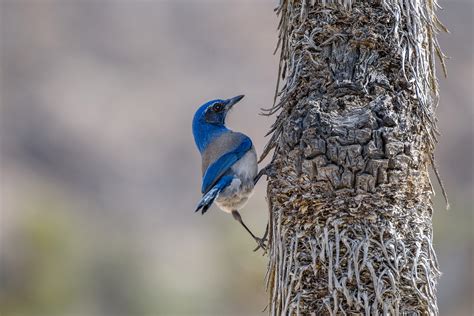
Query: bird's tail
208, 198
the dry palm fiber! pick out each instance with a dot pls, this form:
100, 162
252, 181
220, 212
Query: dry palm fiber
351, 207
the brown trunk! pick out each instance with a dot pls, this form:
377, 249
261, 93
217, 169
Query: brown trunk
351, 229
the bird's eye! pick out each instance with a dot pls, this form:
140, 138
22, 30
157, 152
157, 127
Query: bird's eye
217, 107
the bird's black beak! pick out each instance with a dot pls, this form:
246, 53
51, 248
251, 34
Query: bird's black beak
230, 102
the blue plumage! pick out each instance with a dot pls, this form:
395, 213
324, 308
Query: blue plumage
224, 163
205, 130
229, 160
209, 197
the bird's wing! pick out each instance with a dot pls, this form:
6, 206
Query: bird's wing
219, 167
208, 198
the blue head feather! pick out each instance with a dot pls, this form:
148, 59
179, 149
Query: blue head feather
209, 120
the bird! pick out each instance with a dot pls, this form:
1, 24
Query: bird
229, 162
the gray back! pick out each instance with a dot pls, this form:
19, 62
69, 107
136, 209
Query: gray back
220, 146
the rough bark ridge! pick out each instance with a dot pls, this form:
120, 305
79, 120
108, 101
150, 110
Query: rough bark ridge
351, 205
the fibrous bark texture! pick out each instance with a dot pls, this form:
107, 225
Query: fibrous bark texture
350, 203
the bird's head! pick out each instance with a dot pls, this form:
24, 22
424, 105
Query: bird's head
215, 111
209, 119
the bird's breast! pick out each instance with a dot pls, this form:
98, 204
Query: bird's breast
246, 167
235, 195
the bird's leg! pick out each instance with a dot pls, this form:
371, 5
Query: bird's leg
268, 171
260, 241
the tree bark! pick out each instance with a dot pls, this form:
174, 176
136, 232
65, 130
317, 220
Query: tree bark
351, 199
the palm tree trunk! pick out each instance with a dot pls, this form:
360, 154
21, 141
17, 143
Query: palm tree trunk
350, 203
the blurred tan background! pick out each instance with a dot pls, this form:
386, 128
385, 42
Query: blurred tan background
99, 173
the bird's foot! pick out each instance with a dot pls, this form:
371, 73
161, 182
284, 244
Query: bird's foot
268, 170
261, 244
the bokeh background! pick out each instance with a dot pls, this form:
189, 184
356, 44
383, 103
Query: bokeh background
99, 173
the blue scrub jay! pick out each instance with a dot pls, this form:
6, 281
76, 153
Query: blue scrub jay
229, 161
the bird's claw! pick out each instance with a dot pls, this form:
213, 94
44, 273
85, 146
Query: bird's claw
261, 244
268, 171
